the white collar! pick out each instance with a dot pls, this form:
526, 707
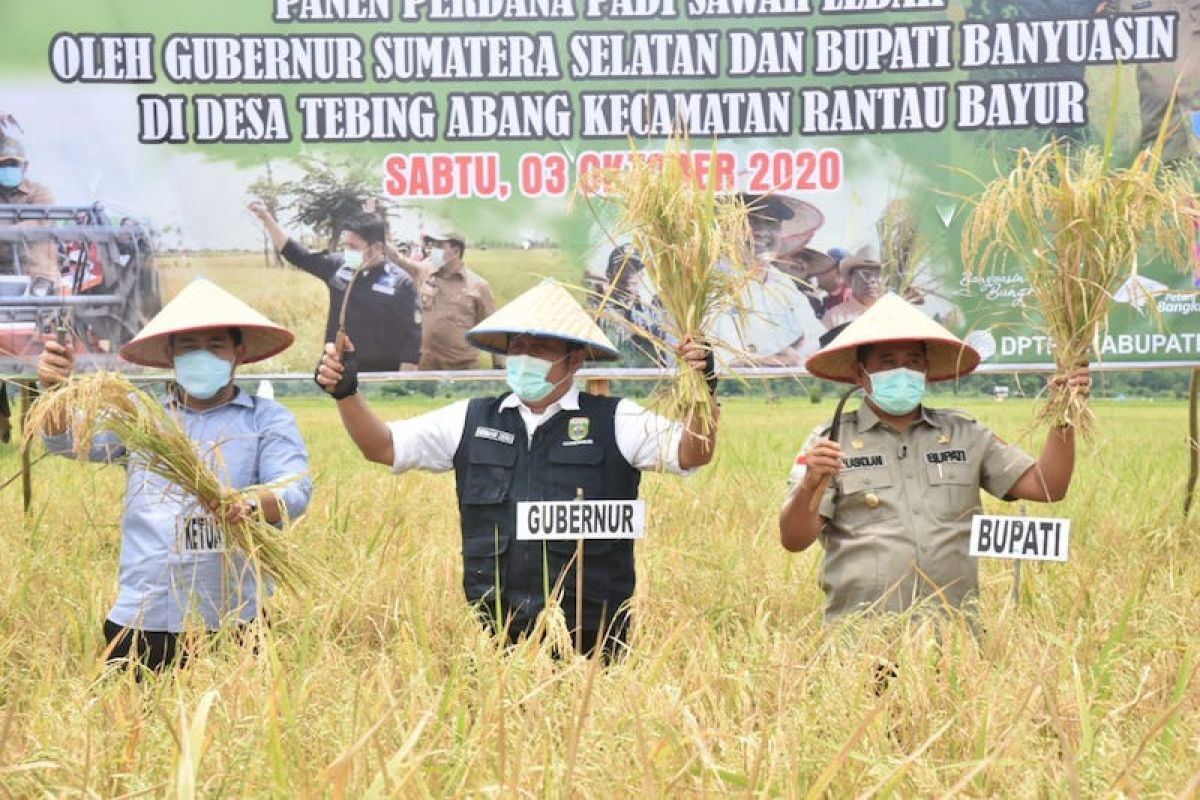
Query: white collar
568, 402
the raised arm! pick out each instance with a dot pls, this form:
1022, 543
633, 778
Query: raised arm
277, 234
55, 366
696, 447
368, 431
1047, 480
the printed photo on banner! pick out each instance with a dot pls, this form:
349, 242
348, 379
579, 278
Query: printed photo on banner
412, 166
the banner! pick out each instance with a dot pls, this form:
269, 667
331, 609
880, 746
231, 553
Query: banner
148, 143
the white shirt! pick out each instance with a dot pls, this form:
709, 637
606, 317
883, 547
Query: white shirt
774, 315
648, 441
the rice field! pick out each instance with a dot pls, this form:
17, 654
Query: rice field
381, 685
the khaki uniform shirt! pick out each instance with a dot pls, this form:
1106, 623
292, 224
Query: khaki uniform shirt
451, 304
899, 512
38, 259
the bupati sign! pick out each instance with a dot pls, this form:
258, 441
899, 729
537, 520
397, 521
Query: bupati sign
1024, 538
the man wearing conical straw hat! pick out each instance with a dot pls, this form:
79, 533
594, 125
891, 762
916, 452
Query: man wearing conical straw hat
890, 489
174, 574
543, 441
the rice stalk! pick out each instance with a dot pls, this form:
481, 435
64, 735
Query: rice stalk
106, 402
692, 242
902, 246
1076, 224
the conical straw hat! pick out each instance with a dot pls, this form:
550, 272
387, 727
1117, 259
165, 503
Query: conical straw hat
795, 233
545, 310
202, 305
891, 319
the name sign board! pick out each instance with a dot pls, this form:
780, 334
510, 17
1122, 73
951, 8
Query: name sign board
551, 520
199, 534
1025, 538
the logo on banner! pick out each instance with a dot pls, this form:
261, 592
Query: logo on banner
1024, 538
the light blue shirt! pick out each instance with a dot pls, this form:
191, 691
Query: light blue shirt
164, 580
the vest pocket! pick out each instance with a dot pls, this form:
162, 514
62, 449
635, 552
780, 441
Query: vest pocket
489, 472
482, 554
567, 546
577, 454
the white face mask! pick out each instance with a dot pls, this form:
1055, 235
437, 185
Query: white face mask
436, 257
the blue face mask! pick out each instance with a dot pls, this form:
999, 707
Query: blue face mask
897, 391
352, 258
526, 376
10, 177
202, 374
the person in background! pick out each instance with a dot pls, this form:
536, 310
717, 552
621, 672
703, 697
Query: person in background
37, 259
454, 299
383, 316
773, 325
865, 281
816, 274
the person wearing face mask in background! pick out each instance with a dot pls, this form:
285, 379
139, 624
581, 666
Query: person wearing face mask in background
894, 518
38, 260
175, 573
383, 316
544, 440
453, 298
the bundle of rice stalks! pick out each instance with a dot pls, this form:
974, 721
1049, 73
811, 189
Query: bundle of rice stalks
105, 402
692, 242
1075, 224
902, 246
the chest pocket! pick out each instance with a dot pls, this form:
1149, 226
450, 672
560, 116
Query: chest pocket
865, 496
954, 490
581, 454
489, 472
578, 467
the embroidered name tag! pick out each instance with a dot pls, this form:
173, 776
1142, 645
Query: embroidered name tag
504, 437
947, 457
863, 462
199, 535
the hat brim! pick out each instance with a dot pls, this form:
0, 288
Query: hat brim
496, 341
947, 356
259, 342
947, 359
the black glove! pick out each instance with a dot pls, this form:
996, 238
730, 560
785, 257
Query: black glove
348, 385
710, 373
